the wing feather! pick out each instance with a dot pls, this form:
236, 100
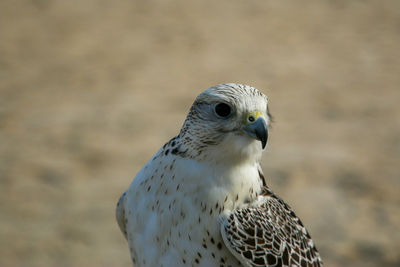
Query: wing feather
269, 234
120, 214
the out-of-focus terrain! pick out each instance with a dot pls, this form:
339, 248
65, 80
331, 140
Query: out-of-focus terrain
89, 90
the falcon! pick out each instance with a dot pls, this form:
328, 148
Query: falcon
202, 199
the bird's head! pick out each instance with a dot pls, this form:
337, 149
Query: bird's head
227, 121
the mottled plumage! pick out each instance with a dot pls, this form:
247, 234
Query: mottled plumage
202, 199
268, 232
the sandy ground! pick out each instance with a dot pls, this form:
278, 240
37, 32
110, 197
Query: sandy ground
91, 89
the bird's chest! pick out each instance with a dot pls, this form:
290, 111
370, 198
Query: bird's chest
178, 219
182, 231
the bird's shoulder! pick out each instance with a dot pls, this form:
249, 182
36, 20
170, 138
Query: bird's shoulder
268, 232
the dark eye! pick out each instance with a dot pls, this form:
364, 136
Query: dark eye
223, 110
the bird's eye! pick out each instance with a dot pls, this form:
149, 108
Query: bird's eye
223, 110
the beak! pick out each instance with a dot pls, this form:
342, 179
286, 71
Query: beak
258, 130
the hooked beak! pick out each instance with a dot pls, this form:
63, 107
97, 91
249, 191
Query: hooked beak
258, 130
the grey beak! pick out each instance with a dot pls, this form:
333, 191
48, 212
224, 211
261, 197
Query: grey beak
258, 130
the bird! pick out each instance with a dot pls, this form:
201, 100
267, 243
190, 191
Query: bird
202, 199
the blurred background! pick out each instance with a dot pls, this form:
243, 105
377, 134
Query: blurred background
91, 89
